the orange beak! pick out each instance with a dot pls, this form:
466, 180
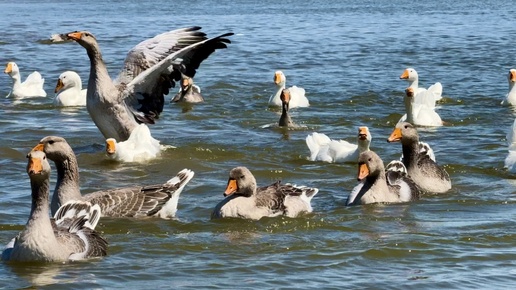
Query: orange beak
59, 86
110, 146
363, 171
8, 68
512, 76
75, 35
404, 75
39, 147
395, 136
277, 78
34, 166
362, 133
231, 188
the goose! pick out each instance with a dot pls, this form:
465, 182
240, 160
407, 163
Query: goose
245, 200
378, 185
322, 148
158, 200
188, 92
69, 236
421, 168
298, 98
69, 90
285, 119
510, 160
422, 96
140, 146
31, 87
510, 98
419, 114
150, 69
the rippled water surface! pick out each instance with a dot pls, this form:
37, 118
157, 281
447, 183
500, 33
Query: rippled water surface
348, 55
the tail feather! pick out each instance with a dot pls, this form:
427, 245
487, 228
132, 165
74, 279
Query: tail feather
74, 211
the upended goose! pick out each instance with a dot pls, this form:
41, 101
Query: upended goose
419, 114
298, 98
510, 98
70, 235
322, 148
245, 200
380, 186
69, 90
421, 95
151, 68
421, 168
140, 146
31, 87
188, 92
158, 200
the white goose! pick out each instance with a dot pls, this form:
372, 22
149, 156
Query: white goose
31, 87
151, 68
510, 98
322, 148
69, 90
140, 146
298, 98
422, 96
510, 160
419, 114
70, 235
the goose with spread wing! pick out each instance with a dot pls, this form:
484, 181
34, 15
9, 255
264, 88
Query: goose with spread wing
151, 68
159, 200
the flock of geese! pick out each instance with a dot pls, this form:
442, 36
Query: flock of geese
122, 108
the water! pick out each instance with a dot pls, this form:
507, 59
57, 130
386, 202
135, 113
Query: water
348, 56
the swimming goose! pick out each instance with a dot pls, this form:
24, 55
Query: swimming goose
285, 120
245, 200
510, 160
298, 98
31, 87
419, 114
510, 98
188, 92
140, 146
70, 235
69, 90
380, 186
421, 168
322, 148
151, 68
136, 201
422, 96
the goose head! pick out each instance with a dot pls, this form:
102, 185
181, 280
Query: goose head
38, 167
241, 181
409, 74
369, 164
84, 38
364, 139
285, 98
186, 83
12, 69
404, 132
511, 77
279, 78
56, 148
68, 79
111, 147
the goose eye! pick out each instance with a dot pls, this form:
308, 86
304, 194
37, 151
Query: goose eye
369, 159
406, 126
242, 176
51, 142
44, 157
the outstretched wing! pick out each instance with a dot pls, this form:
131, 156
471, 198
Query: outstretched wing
148, 75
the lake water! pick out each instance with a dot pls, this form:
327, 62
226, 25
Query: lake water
348, 55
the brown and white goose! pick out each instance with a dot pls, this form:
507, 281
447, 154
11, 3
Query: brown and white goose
151, 68
70, 235
188, 92
421, 168
380, 186
245, 200
136, 201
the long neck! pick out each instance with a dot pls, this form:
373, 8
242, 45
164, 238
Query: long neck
410, 151
409, 109
99, 79
40, 196
16, 77
511, 86
67, 186
363, 145
285, 119
414, 83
